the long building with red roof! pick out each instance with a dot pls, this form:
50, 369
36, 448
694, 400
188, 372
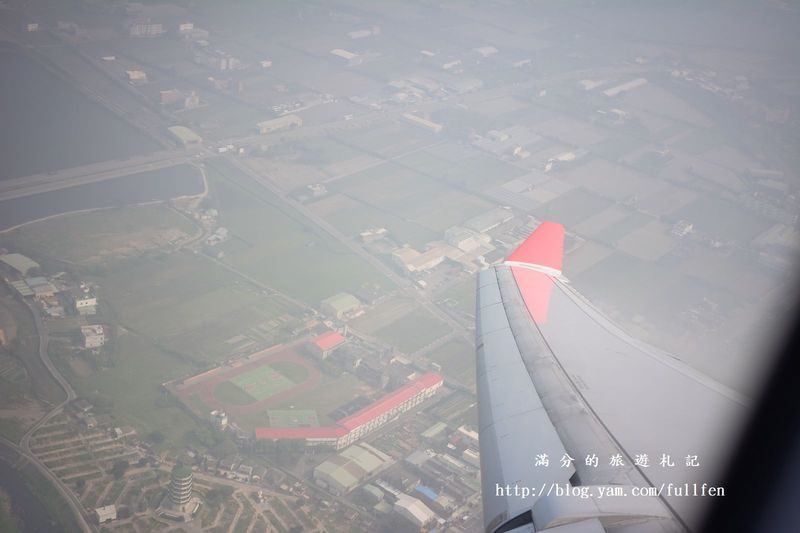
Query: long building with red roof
357, 425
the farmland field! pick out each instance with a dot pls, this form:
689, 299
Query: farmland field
413, 331
277, 246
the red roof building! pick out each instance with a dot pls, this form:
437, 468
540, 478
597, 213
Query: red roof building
357, 425
323, 345
323, 435
395, 402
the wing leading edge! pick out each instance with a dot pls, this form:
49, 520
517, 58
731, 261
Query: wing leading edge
556, 379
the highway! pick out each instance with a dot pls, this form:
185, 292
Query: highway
62, 179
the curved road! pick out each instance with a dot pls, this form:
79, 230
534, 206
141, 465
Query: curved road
24, 449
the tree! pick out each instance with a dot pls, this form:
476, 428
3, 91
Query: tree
156, 437
119, 468
218, 494
226, 446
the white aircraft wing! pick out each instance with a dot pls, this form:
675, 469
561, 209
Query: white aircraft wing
558, 381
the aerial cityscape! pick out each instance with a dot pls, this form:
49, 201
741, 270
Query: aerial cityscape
240, 242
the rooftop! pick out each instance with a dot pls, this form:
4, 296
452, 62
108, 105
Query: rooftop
19, 262
326, 432
286, 120
329, 340
390, 401
342, 301
181, 471
414, 509
185, 135
359, 418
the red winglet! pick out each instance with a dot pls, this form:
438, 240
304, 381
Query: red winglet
544, 247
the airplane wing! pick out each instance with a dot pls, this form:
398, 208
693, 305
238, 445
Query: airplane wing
557, 381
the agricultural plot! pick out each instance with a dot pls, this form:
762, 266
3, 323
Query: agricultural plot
413, 331
457, 358
278, 247
105, 234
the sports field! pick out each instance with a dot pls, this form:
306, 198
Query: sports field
263, 382
249, 386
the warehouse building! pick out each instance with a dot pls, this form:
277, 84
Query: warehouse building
185, 135
281, 123
340, 305
20, 263
414, 510
344, 472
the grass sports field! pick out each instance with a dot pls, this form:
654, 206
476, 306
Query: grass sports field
262, 383
251, 387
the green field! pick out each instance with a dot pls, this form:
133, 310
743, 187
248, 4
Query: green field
572, 207
286, 418
388, 139
229, 393
460, 296
415, 189
475, 171
411, 197
457, 358
277, 246
172, 314
262, 382
187, 304
328, 394
131, 389
97, 236
722, 219
353, 220
295, 372
413, 331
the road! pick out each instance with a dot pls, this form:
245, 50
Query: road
24, 449
62, 179
73, 502
69, 392
106, 170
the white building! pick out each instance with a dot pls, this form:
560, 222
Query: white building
219, 419
136, 76
146, 29
93, 336
86, 304
464, 239
413, 510
105, 514
349, 57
